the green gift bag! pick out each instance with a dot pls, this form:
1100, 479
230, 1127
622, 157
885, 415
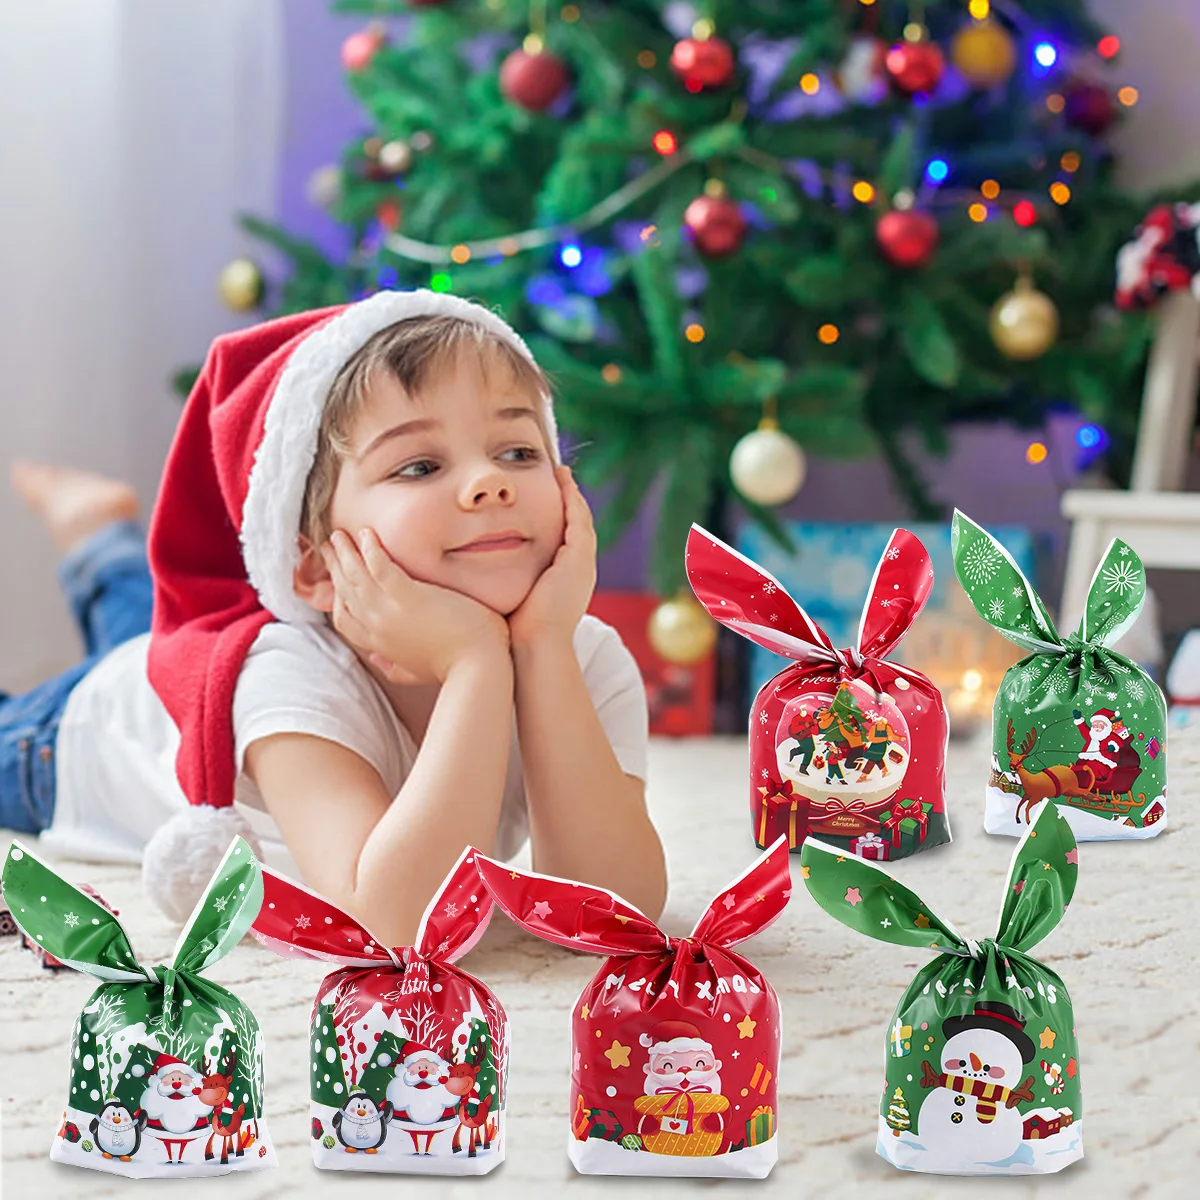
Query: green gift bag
166, 1067
1074, 721
982, 1065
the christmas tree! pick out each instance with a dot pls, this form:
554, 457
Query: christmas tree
846, 711
328, 1083
730, 230
897, 1114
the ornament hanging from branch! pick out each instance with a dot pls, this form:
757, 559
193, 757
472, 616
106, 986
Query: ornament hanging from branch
1024, 322
532, 78
241, 285
360, 48
716, 223
703, 60
767, 466
907, 237
680, 631
984, 53
915, 64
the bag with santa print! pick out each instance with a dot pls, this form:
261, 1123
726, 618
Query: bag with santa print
409, 1053
844, 744
1074, 721
675, 1043
166, 1066
982, 1065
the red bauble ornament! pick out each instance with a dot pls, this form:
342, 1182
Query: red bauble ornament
717, 225
533, 81
908, 238
1090, 108
703, 64
915, 66
359, 48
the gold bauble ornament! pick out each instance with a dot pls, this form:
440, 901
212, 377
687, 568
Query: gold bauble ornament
767, 466
984, 53
241, 285
1024, 322
681, 631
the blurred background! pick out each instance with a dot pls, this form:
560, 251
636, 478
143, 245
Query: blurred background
802, 272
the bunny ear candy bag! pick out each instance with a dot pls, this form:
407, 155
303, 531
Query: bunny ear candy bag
409, 1053
166, 1067
675, 1042
982, 1065
1074, 721
844, 744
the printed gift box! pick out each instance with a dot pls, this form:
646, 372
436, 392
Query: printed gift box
675, 1042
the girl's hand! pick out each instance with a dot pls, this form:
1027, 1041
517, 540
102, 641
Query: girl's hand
558, 600
411, 630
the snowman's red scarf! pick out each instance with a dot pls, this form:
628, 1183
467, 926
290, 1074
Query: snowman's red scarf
987, 1095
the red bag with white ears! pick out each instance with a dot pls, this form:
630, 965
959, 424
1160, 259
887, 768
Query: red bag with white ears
675, 1043
409, 1053
845, 744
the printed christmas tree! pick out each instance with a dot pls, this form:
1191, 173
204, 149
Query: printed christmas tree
381, 1068
897, 1114
328, 1084
845, 709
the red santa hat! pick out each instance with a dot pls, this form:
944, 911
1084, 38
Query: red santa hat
168, 1063
1107, 715
674, 1036
223, 545
415, 1050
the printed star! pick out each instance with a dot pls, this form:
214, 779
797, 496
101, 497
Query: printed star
759, 899
623, 919
921, 921
220, 902
805, 872
738, 1054
583, 1012
1046, 1038
617, 1055
853, 897
302, 922
1123, 551
1072, 1069
746, 1027
542, 909
729, 901
514, 875
1073, 856
1019, 886
1045, 866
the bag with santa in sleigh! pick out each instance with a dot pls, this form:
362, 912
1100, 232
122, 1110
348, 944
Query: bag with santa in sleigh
1074, 721
675, 1043
982, 1074
844, 744
166, 1066
409, 1052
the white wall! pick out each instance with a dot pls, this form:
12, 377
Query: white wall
131, 134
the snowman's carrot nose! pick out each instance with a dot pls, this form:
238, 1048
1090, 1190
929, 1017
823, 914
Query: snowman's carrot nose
975, 1063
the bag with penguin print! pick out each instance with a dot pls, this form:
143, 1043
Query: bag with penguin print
166, 1066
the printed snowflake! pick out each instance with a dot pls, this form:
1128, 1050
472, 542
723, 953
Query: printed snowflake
885, 603
1029, 674
762, 717
302, 922
451, 909
1028, 710
1136, 689
981, 561
1121, 577
894, 553
765, 772
220, 902
1111, 695
1018, 592
768, 589
774, 618
996, 608
71, 920
1124, 551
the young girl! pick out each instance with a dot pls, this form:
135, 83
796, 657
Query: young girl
369, 636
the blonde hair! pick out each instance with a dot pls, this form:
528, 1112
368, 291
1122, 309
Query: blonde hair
411, 352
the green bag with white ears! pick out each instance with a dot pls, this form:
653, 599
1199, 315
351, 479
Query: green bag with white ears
166, 1067
982, 1074
1074, 721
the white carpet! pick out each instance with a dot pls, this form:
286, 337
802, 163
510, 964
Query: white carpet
1126, 950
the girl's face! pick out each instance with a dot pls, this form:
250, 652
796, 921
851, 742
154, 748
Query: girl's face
466, 461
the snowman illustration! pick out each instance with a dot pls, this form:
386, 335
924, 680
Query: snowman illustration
971, 1114
117, 1131
360, 1125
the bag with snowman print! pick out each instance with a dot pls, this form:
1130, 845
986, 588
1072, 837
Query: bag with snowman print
847, 745
408, 1053
982, 1065
166, 1067
1073, 721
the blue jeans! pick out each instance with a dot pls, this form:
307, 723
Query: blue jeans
106, 580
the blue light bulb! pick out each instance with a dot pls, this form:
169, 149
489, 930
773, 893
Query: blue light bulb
937, 170
571, 256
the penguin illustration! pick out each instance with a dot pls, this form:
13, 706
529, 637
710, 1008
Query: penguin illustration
360, 1124
117, 1131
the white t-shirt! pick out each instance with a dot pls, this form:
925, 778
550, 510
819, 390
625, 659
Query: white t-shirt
116, 747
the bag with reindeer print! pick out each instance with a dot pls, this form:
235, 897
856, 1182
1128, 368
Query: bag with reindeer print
981, 1071
409, 1053
844, 744
166, 1066
1074, 721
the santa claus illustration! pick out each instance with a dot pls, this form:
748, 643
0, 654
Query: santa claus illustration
175, 1113
423, 1104
1107, 745
681, 1065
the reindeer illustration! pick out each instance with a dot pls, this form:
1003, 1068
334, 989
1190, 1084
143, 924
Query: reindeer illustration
461, 1083
226, 1120
1068, 782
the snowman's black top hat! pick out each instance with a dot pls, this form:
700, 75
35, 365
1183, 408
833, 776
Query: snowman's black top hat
991, 1014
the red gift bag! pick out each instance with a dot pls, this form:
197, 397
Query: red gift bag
843, 743
675, 1042
409, 1053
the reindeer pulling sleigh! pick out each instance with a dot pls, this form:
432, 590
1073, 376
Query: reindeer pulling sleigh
1071, 784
